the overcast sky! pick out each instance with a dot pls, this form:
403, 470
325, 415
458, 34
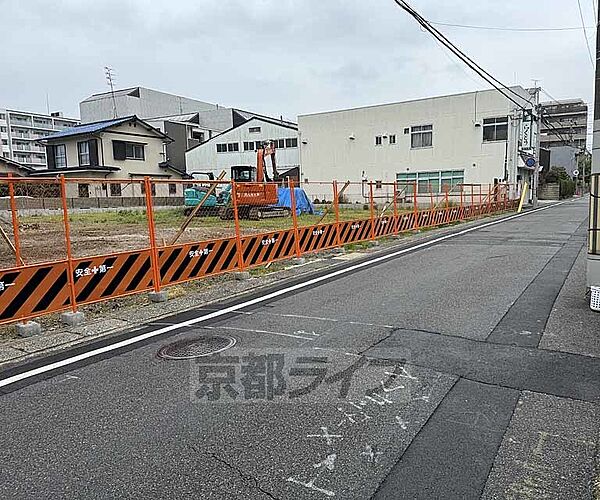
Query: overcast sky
282, 57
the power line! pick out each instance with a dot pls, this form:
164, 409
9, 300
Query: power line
499, 28
497, 84
493, 81
587, 42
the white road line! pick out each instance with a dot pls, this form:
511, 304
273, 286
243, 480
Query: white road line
257, 331
299, 286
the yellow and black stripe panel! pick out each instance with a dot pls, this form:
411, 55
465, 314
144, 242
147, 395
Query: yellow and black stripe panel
105, 277
385, 226
314, 238
356, 230
31, 291
195, 260
262, 248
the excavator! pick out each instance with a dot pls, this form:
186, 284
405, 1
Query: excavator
257, 193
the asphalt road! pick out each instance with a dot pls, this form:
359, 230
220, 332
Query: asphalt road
420, 377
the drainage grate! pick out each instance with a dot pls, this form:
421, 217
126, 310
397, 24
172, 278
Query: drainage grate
190, 349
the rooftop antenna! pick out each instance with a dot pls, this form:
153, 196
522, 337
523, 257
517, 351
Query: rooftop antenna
110, 79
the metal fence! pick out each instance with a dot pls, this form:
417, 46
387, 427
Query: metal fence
66, 258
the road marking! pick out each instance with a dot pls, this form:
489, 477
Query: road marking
264, 298
257, 331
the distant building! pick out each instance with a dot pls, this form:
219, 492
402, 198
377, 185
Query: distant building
125, 148
238, 145
19, 131
567, 137
568, 118
438, 142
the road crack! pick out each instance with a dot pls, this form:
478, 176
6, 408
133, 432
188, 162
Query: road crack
246, 477
375, 344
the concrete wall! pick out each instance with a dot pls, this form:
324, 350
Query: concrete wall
341, 144
549, 191
206, 159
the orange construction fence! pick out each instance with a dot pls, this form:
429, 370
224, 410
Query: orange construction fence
57, 270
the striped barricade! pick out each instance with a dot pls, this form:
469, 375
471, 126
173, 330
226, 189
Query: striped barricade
195, 260
267, 247
108, 276
356, 230
31, 291
385, 226
319, 237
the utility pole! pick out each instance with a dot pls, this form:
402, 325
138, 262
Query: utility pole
536, 171
593, 260
110, 79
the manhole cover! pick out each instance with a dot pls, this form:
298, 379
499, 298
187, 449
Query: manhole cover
189, 349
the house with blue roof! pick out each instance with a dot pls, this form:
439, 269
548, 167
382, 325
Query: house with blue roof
124, 149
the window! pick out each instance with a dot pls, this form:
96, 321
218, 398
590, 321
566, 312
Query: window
197, 135
134, 151
233, 146
421, 136
438, 181
254, 130
83, 150
83, 190
278, 143
172, 189
249, 146
152, 188
2, 129
406, 131
115, 189
60, 156
495, 129
392, 138
378, 140
2, 116
292, 142
221, 148
451, 178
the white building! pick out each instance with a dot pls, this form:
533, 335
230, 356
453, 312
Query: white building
237, 146
19, 131
474, 137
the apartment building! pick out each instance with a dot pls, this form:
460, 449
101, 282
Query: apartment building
568, 120
566, 135
19, 131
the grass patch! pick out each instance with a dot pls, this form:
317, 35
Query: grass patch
264, 270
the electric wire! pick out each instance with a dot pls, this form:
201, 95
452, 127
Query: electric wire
587, 42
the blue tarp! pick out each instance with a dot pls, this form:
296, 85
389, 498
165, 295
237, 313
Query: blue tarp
303, 204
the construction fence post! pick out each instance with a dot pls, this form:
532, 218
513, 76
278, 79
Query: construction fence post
447, 203
372, 206
294, 217
336, 209
236, 221
155, 296
396, 218
67, 227
15, 221
416, 207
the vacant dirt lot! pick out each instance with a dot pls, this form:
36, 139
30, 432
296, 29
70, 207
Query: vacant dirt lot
42, 237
